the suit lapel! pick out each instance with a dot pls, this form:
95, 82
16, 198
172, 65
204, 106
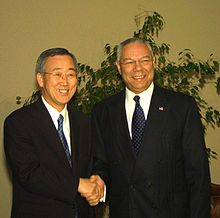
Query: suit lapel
74, 136
49, 132
156, 119
151, 150
118, 114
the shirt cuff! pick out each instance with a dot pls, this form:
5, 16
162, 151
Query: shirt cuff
104, 196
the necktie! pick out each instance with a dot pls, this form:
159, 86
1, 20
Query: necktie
138, 122
63, 139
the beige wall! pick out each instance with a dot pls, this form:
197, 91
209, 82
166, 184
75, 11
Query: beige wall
30, 26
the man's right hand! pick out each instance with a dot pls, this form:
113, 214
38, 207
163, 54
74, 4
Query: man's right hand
97, 179
90, 190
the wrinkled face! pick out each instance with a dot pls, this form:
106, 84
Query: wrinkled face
59, 82
136, 66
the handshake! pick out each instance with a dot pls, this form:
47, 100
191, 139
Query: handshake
92, 189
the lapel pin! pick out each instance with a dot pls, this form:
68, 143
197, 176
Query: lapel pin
160, 108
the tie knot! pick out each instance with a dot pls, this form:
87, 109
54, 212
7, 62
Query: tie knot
136, 99
60, 119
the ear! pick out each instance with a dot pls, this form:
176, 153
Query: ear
40, 80
118, 66
153, 59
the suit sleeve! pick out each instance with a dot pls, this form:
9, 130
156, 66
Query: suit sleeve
100, 159
29, 171
196, 164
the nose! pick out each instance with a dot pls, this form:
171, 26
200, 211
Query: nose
64, 78
137, 65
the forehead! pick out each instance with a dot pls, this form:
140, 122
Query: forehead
135, 49
61, 61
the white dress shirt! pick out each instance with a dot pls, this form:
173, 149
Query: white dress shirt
145, 99
55, 115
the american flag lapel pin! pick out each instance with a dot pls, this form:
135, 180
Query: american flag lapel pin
161, 108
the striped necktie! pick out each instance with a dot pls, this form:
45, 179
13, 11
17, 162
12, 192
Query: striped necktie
63, 139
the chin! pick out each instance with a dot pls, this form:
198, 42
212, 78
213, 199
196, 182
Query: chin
63, 101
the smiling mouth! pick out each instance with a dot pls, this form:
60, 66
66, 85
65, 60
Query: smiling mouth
138, 77
63, 91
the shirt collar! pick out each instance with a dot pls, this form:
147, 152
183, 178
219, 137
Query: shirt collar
143, 95
53, 112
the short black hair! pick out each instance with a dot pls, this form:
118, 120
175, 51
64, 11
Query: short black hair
40, 64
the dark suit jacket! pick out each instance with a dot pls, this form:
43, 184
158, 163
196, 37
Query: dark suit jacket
169, 177
44, 185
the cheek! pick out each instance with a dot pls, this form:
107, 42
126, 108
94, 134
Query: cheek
150, 69
74, 85
51, 87
125, 77
126, 73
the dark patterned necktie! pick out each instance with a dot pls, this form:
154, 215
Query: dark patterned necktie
63, 139
138, 122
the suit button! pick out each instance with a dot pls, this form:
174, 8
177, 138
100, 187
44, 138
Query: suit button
154, 206
149, 184
132, 188
160, 161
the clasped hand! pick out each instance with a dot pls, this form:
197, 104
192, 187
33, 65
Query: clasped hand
92, 189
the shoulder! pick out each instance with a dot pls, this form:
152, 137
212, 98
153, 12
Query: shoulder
23, 113
111, 101
76, 114
178, 102
174, 96
24, 118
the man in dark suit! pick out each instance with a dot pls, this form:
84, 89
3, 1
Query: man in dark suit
47, 145
149, 147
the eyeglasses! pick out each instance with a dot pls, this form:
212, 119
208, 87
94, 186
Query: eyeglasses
132, 63
59, 75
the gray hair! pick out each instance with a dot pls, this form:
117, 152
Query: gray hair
41, 61
129, 41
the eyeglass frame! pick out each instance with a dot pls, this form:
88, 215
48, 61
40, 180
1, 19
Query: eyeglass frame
142, 61
59, 75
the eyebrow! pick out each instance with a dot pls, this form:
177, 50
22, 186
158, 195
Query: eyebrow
59, 68
147, 56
